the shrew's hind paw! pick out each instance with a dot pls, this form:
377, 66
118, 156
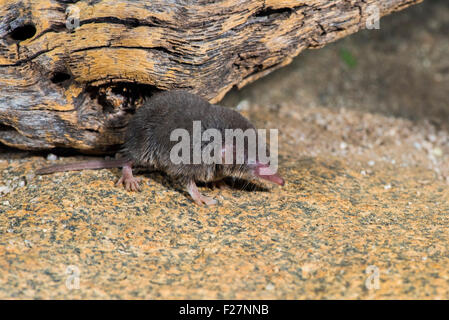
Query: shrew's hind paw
198, 197
129, 183
128, 180
207, 200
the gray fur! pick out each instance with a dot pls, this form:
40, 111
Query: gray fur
147, 141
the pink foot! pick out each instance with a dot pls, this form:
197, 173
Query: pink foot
198, 197
128, 180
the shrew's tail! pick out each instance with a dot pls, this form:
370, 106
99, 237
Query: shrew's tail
93, 164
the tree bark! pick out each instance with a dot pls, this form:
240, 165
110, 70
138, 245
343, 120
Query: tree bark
73, 72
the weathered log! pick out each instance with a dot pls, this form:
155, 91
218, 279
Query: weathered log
72, 72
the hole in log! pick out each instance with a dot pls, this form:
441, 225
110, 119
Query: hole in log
24, 32
59, 77
121, 95
4, 127
120, 100
270, 12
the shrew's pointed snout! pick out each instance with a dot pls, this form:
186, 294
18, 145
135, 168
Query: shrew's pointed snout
265, 172
275, 178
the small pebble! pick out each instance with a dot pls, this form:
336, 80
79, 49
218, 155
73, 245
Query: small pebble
371, 163
4, 189
29, 177
437, 152
417, 145
269, 287
52, 157
243, 105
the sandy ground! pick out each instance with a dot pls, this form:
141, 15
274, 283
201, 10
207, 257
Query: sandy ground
364, 148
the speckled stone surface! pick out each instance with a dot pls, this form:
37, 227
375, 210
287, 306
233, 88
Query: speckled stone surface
365, 191
314, 238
